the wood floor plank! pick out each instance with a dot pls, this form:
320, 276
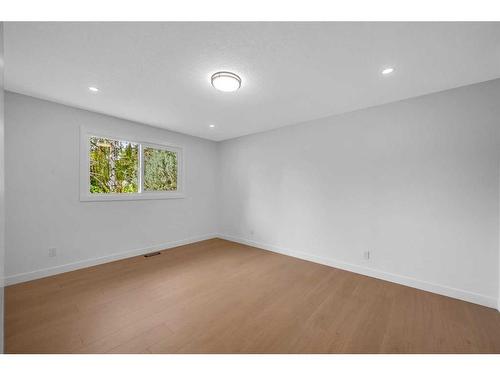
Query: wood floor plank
217, 296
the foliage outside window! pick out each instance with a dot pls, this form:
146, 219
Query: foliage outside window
114, 166
126, 169
160, 170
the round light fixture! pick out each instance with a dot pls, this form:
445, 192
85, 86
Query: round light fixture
211, 126
387, 71
226, 81
93, 89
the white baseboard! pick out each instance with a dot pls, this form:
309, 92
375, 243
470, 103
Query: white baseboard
399, 279
387, 276
27, 276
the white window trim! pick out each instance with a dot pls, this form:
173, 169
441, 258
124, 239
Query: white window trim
86, 196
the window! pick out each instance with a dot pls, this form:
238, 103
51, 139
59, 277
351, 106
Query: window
114, 166
160, 169
121, 168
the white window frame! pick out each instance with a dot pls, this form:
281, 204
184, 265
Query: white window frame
87, 196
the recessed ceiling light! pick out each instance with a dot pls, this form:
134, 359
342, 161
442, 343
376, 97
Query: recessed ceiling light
387, 71
226, 81
211, 126
93, 89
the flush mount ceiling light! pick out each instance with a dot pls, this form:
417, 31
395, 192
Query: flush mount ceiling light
93, 89
387, 71
211, 126
226, 81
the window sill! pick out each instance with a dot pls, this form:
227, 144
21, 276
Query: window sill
129, 197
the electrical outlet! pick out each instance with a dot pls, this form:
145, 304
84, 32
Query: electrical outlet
52, 252
366, 255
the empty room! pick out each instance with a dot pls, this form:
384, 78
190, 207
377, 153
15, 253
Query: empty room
250, 187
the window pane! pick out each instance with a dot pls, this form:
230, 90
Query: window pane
160, 170
114, 166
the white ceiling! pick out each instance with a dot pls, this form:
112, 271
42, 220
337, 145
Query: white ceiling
159, 73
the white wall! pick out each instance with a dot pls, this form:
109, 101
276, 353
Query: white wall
2, 189
42, 186
414, 182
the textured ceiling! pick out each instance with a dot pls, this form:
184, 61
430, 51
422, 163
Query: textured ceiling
159, 73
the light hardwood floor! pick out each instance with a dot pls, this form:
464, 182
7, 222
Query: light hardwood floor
217, 296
